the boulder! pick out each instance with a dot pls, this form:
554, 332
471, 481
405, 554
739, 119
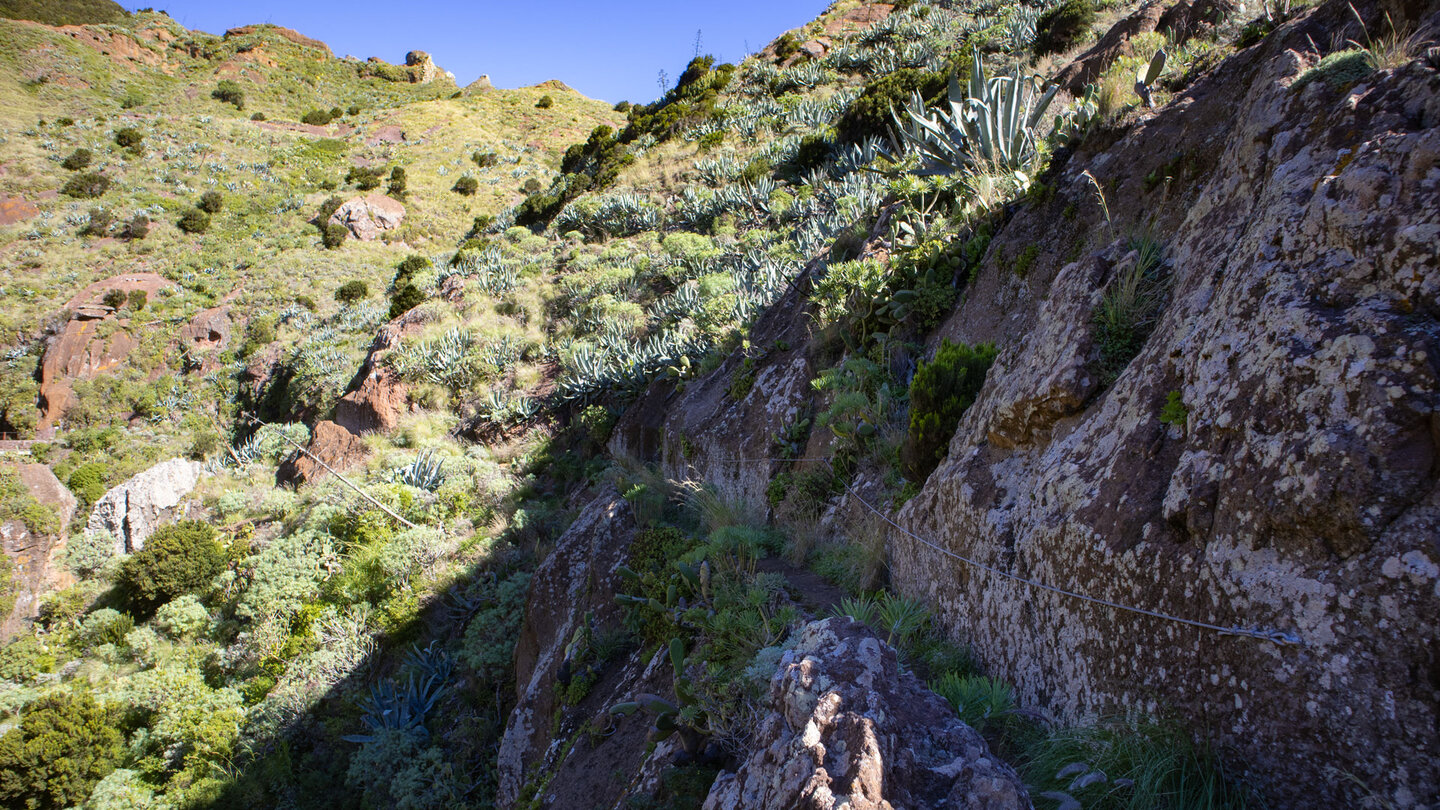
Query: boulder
16, 209
332, 444
368, 216
132, 511
207, 334
849, 728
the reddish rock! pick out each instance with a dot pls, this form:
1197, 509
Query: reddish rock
284, 33
16, 209
78, 352
375, 406
386, 134
336, 447
207, 334
858, 19
37, 561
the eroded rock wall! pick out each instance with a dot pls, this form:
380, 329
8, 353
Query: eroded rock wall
1302, 330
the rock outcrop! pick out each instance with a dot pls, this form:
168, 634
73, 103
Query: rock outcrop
376, 404
336, 447
37, 561
132, 511
848, 728
368, 216
1088, 66
1297, 490
93, 341
575, 584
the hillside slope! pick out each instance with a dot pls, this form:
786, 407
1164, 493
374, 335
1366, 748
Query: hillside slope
796, 439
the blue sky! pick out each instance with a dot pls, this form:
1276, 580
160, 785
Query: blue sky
612, 51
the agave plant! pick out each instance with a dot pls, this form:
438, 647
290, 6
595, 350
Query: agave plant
425, 472
992, 124
391, 707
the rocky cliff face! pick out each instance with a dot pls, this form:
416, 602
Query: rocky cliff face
1300, 492
1295, 492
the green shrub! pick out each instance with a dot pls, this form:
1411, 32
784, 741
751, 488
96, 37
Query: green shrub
1339, 69
622, 106
786, 46
259, 116
194, 221
309, 303
940, 393
114, 299
405, 299
138, 299
1062, 27
177, 559
466, 186
87, 482
63, 746
1174, 411
1128, 311
869, 114
24, 658
87, 552
183, 618
485, 159
531, 186
211, 202
545, 102
138, 227
230, 93
333, 235
489, 644
99, 224
77, 160
328, 209
318, 118
398, 183
259, 332
129, 137
86, 185
353, 110
364, 177
352, 291
133, 98
106, 626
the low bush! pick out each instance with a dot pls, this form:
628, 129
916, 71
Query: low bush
352, 291
137, 299
77, 160
129, 137
177, 559
398, 183
194, 221
87, 482
333, 235
485, 159
940, 393
99, 223
1061, 28
869, 114
86, 185
230, 93
211, 202
545, 102
62, 747
317, 118
466, 186
138, 227
114, 299
364, 177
